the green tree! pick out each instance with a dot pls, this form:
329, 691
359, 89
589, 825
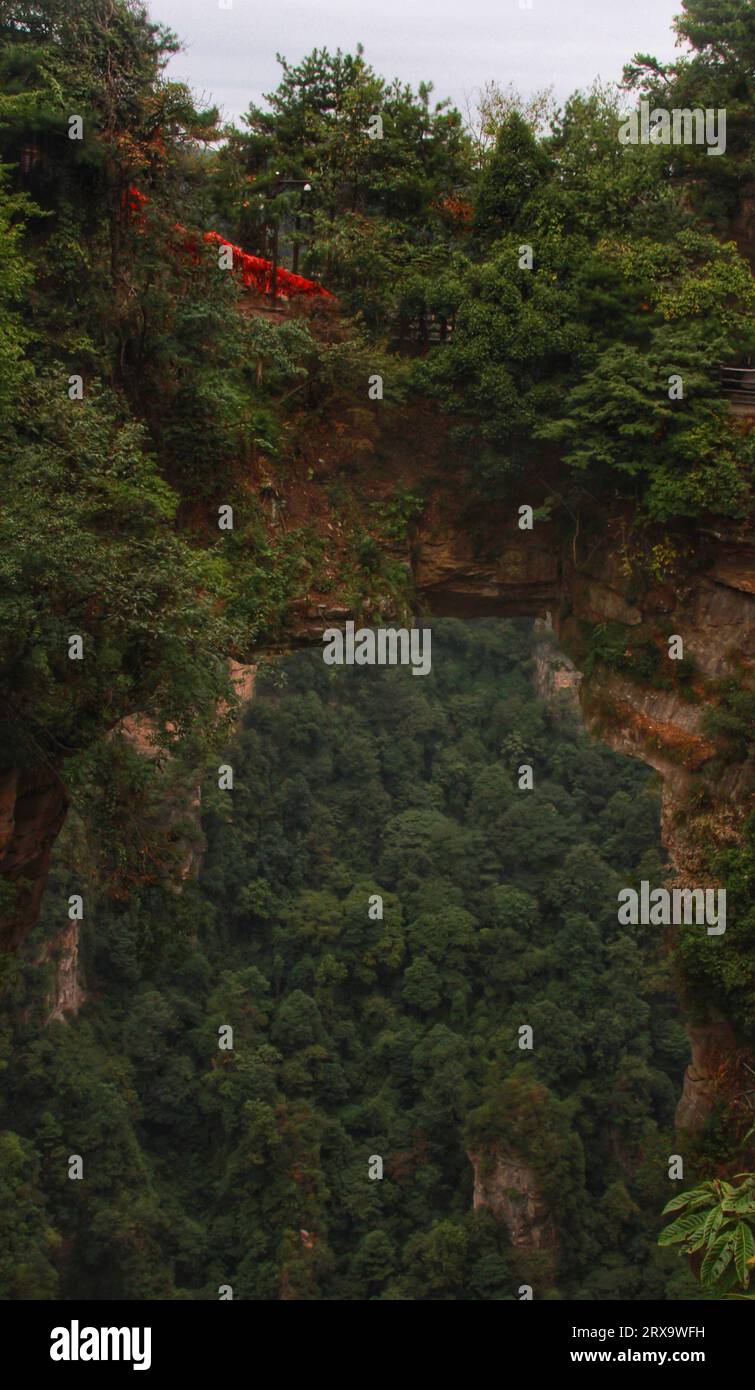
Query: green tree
28, 1242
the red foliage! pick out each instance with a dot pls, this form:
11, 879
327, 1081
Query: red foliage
258, 272
457, 209
133, 202
254, 270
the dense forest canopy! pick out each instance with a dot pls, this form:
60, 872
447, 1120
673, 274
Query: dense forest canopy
356, 1036
534, 285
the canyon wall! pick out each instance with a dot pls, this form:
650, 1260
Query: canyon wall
465, 556
493, 568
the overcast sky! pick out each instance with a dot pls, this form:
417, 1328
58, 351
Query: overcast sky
457, 44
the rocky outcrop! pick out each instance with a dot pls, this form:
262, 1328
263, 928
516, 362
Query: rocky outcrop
707, 1078
521, 578
507, 1186
183, 800
67, 994
556, 679
713, 610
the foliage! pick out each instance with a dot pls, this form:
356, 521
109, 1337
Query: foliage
88, 550
718, 1220
15, 274
715, 72
357, 1036
353, 1036
621, 418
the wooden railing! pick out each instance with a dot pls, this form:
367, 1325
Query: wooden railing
738, 384
426, 330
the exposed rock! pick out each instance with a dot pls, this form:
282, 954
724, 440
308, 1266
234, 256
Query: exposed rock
507, 1185
735, 567
185, 809
556, 679
468, 563
717, 620
8, 784
522, 578
242, 678
68, 994
705, 1080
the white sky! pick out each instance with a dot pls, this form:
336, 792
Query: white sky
229, 54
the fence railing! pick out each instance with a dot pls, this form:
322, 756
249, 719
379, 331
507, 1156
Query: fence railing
738, 383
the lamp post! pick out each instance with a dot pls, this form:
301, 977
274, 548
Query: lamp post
279, 184
297, 225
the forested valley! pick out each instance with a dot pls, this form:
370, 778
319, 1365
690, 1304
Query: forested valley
357, 1037
261, 377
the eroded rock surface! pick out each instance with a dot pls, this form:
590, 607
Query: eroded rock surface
507, 1186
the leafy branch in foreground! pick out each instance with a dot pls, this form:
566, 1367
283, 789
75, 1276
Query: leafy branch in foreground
717, 1219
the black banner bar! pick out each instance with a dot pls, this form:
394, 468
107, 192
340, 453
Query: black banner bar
202, 1339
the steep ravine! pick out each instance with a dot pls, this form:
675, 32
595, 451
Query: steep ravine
534, 574
713, 609
463, 564
459, 553
528, 574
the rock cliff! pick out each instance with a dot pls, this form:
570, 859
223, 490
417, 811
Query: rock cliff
507, 1186
455, 553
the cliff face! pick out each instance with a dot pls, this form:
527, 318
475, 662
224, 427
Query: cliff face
67, 994
708, 1076
506, 1185
461, 563
712, 608
467, 558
